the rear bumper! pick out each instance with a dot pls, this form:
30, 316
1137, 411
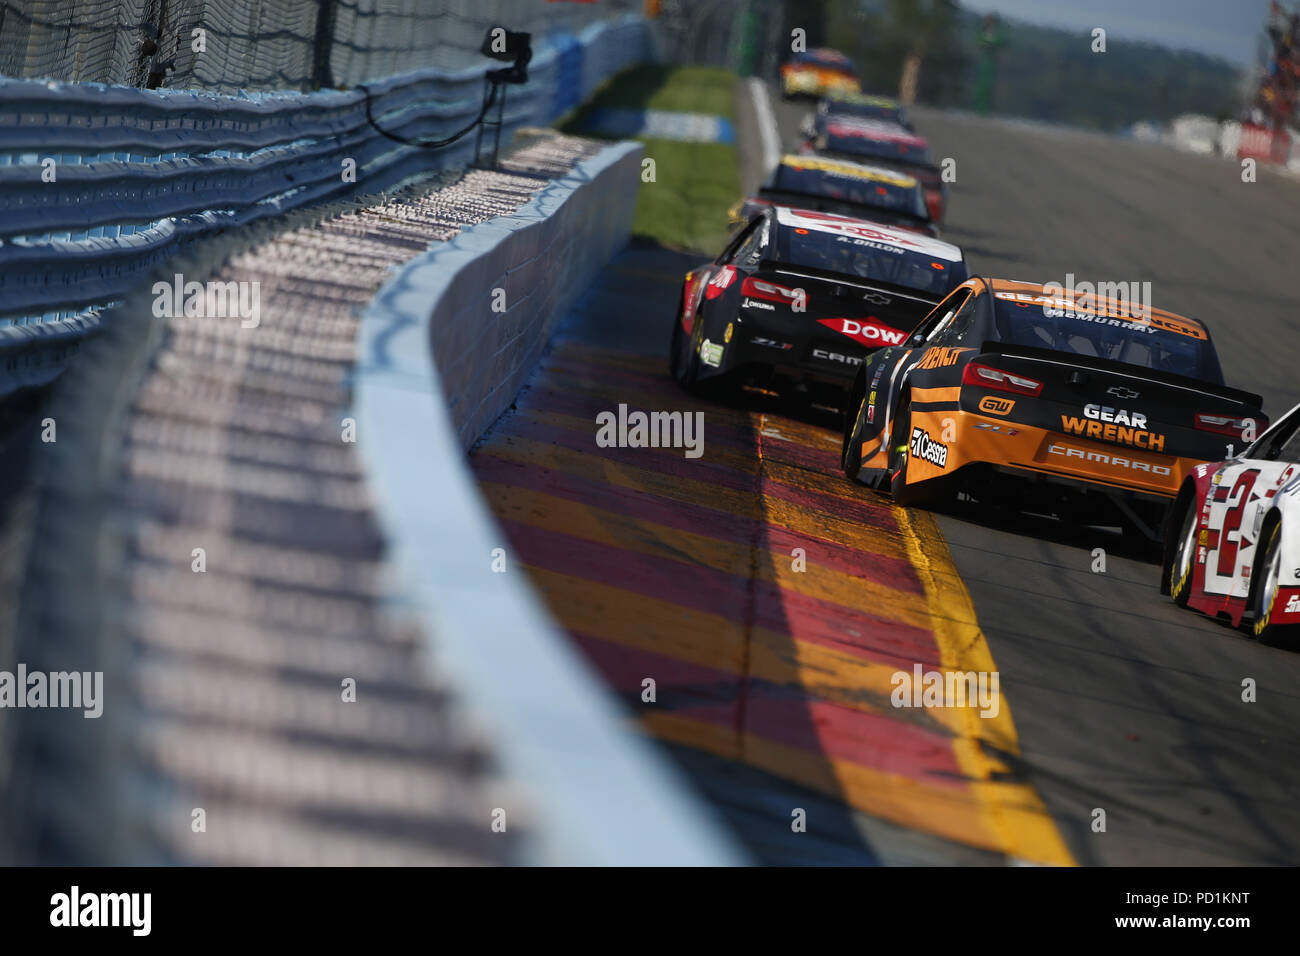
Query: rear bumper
1030, 451
786, 344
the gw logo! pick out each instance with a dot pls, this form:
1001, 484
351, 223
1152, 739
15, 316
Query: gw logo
927, 449
996, 406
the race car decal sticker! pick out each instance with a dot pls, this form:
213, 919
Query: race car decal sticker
711, 353
848, 170
878, 246
927, 449
846, 226
718, 284
1104, 458
1058, 306
1231, 539
1137, 437
1119, 416
869, 331
837, 357
940, 357
996, 406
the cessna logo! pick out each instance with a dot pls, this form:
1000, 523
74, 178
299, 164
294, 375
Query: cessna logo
925, 448
1120, 392
1103, 458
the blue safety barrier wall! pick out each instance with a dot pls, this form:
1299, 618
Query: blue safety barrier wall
438, 359
100, 184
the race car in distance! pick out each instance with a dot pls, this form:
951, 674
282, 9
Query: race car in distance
799, 295
844, 188
1080, 406
864, 106
818, 72
882, 144
1233, 547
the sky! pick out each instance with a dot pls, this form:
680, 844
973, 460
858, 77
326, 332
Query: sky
1230, 29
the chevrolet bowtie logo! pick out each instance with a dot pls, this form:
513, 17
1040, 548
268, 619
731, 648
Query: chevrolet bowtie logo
876, 299
1119, 391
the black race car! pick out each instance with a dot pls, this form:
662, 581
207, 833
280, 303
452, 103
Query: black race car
864, 106
880, 143
1058, 402
847, 189
803, 296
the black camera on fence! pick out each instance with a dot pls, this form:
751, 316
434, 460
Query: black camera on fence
507, 45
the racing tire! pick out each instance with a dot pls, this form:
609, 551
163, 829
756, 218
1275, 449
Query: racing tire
675, 349
715, 387
932, 492
689, 363
1183, 559
899, 455
1264, 594
851, 449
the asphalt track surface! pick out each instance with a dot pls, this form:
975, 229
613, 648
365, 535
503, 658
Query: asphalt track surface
1121, 702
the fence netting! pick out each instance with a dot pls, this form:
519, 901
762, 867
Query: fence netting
229, 45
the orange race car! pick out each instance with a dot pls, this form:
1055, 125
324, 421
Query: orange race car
1063, 402
816, 73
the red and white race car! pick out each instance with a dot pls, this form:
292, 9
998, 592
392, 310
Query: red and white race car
1233, 544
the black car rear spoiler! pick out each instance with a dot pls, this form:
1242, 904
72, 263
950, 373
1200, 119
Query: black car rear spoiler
1075, 360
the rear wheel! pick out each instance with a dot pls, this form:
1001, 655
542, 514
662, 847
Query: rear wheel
1265, 594
689, 361
851, 453
1180, 567
900, 435
855, 408
675, 349
929, 493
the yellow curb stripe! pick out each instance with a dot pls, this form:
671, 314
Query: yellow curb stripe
1013, 810
556, 515
774, 511
945, 811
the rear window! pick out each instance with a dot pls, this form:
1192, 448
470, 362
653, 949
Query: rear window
868, 259
864, 110
826, 59
828, 183
836, 138
1119, 338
